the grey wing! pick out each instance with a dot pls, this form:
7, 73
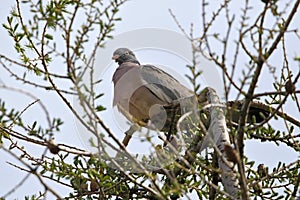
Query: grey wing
162, 84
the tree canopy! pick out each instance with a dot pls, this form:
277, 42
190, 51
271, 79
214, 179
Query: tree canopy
56, 45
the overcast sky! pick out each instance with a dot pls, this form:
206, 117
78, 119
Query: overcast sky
142, 29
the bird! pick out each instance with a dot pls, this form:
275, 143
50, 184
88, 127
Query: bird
142, 93
150, 97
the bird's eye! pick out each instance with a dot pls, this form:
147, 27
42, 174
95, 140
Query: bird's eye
126, 53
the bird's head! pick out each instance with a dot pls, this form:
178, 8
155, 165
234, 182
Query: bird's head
122, 55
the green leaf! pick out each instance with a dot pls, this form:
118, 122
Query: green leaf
9, 19
34, 125
297, 58
5, 26
5, 135
98, 96
48, 36
100, 108
16, 27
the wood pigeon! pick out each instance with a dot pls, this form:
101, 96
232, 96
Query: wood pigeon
144, 94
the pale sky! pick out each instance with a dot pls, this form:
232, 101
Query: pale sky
139, 18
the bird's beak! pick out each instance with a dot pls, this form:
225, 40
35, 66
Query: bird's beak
115, 57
